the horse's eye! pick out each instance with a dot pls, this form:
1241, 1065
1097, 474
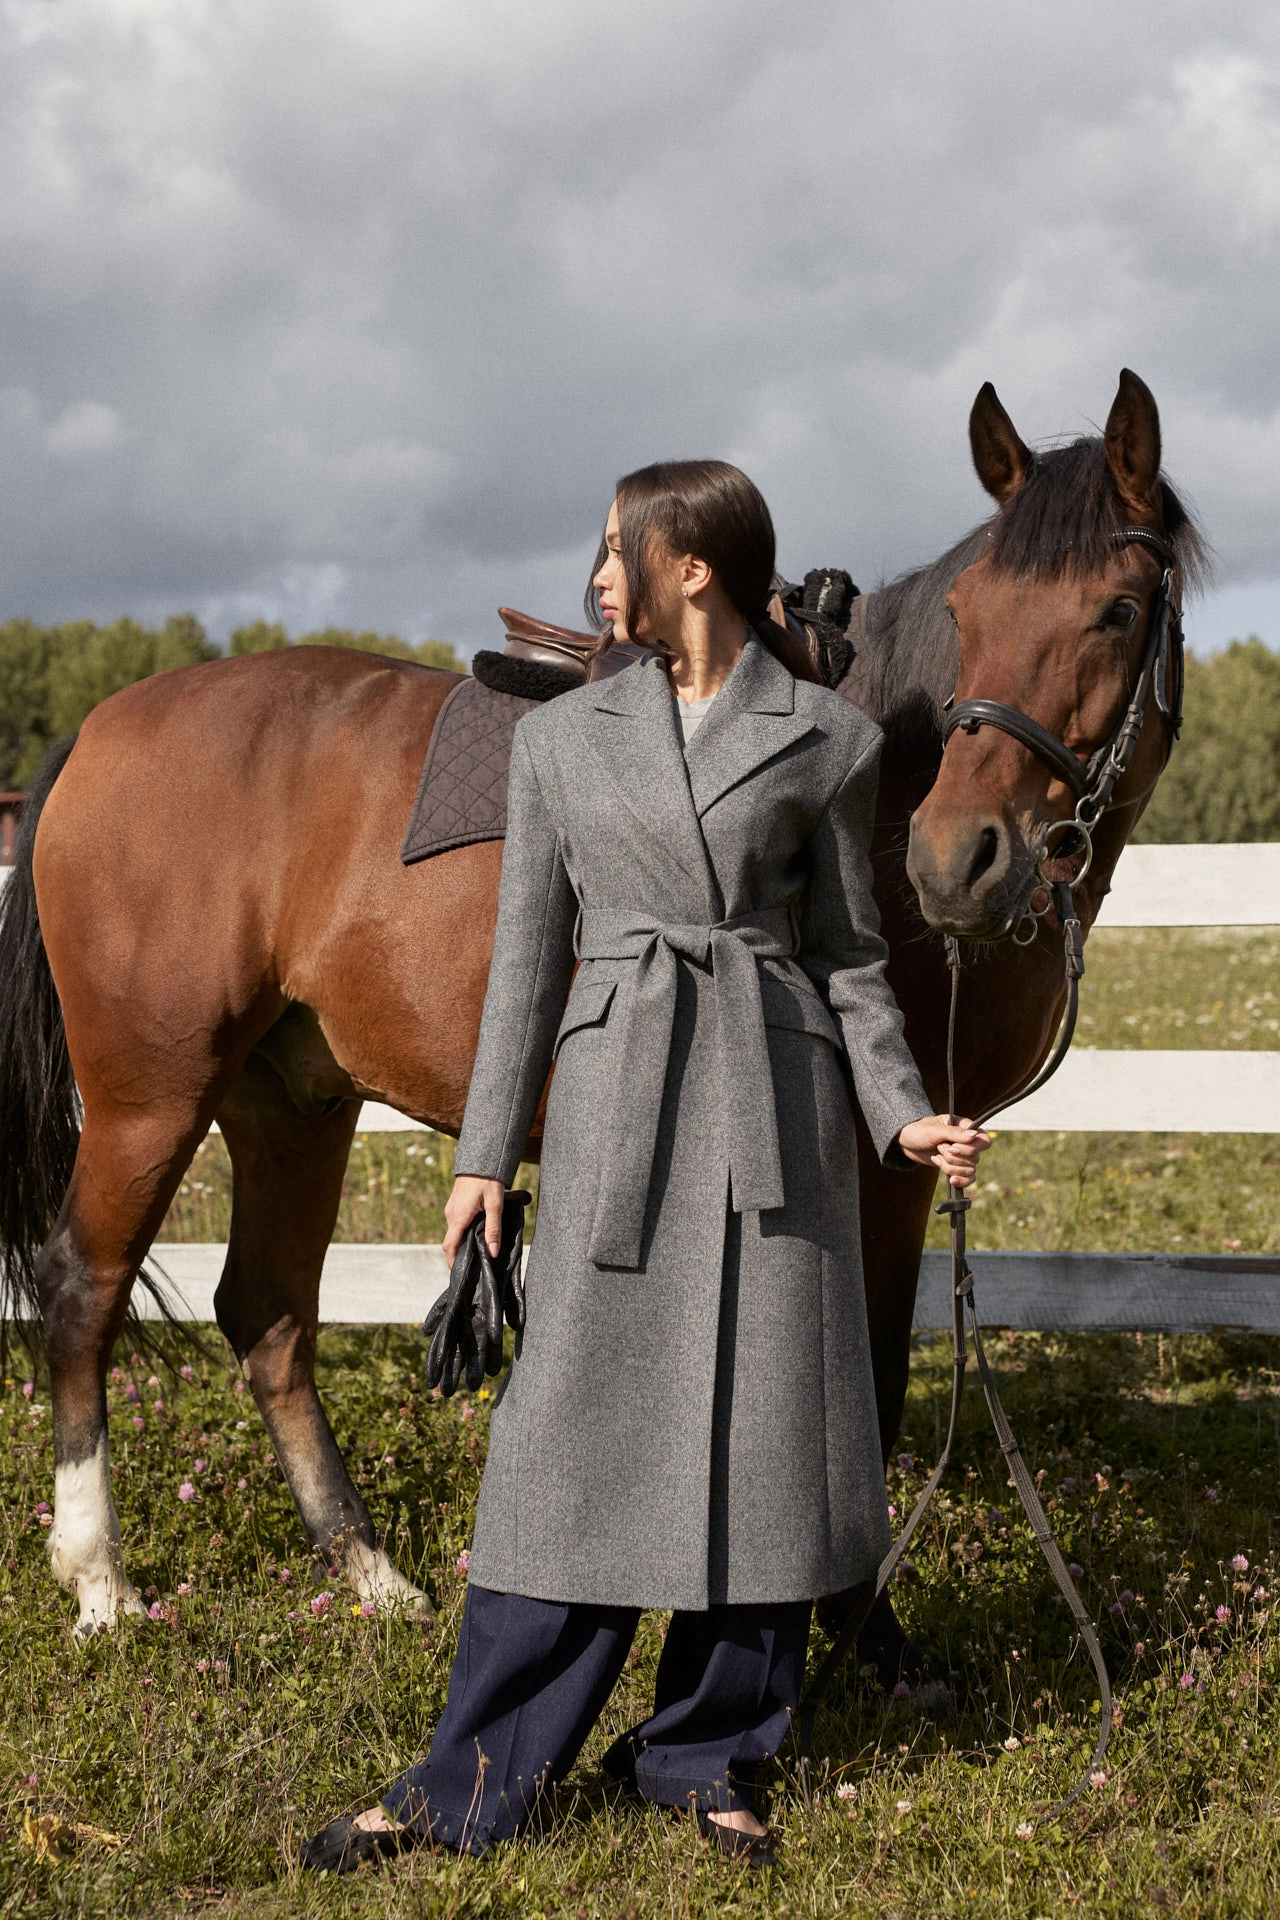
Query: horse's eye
1121, 614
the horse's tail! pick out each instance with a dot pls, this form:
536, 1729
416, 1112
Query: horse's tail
39, 1125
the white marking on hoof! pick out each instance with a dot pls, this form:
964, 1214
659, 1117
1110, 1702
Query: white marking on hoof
375, 1578
85, 1549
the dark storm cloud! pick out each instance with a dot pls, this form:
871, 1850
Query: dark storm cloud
354, 311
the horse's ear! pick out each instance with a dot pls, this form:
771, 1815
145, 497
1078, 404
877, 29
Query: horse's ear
1133, 443
999, 455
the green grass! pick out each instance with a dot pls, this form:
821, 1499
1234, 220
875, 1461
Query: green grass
214, 1738
1127, 1193
1181, 987
394, 1193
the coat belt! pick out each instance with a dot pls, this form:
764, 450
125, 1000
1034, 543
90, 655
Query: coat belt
642, 1046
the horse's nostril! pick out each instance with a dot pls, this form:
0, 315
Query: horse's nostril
984, 858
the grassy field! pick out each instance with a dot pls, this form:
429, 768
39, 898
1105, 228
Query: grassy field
174, 1767
1181, 987
206, 1742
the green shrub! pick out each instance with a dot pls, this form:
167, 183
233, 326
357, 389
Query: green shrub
264, 636
51, 677
1223, 781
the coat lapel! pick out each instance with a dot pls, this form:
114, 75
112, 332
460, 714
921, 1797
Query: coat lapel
751, 720
631, 730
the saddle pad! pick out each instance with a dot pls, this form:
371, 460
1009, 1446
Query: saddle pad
462, 792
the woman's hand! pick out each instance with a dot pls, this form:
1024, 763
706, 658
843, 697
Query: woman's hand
471, 1196
953, 1146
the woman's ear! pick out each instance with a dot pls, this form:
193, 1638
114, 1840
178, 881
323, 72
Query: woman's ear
695, 576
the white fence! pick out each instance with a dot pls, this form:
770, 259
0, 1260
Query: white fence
1072, 1292
1173, 1092
1095, 1090
1196, 1091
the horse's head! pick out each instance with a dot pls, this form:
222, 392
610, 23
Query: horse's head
1056, 621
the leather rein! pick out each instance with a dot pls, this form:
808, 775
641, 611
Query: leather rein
1093, 783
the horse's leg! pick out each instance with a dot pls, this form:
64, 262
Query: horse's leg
895, 1220
287, 1184
127, 1169
895, 1216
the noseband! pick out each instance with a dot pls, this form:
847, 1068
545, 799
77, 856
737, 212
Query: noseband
1093, 781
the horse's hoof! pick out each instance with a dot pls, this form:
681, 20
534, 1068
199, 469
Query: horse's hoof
886, 1654
377, 1579
418, 1607
894, 1665
102, 1612
931, 1700
407, 1606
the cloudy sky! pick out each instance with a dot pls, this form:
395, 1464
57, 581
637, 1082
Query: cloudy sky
351, 311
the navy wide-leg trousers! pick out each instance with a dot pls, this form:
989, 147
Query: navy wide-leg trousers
531, 1677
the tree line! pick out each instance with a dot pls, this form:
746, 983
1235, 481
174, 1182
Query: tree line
1222, 783
1223, 779
52, 677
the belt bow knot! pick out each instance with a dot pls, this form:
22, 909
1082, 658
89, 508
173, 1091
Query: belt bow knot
642, 1047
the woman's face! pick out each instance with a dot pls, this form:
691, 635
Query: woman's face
611, 582
667, 583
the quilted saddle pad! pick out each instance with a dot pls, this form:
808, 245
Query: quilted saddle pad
462, 791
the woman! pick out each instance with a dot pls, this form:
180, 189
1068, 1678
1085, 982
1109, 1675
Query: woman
689, 1422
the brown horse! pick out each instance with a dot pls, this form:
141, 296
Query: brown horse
208, 904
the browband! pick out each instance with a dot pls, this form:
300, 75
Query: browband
1147, 537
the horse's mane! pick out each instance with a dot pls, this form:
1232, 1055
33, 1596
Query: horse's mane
1059, 522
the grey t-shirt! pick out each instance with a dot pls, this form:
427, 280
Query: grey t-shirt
690, 714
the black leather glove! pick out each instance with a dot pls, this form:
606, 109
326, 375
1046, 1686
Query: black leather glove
509, 1278
465, 1324
451, 1324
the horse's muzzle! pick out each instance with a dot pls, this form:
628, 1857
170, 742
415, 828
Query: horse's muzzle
971, 874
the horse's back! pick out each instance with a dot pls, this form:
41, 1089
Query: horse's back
230, 760
317, 706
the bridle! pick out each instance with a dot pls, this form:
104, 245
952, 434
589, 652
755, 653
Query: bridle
1094, 781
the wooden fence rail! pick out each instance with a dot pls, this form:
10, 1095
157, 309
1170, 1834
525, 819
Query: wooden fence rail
1069, 1292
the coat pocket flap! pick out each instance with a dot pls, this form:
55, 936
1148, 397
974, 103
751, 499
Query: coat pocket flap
588, 1006
801, 1009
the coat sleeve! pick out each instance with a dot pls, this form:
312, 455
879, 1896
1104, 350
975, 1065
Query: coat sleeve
529, 978
843, 951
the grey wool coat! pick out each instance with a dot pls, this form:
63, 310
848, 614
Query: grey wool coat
690, 1418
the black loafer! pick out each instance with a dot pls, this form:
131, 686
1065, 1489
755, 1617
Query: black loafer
342, 1846
748, 1849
